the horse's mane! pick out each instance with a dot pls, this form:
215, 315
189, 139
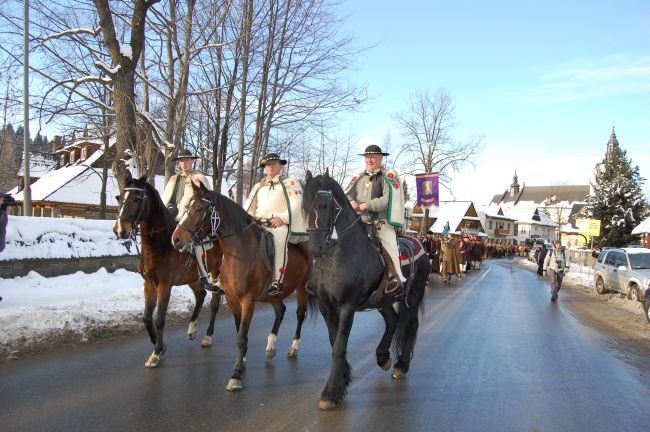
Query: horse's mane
322, 182
231, 211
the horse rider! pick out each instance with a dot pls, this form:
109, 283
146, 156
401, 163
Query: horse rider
276, 202
376, 193
176, 197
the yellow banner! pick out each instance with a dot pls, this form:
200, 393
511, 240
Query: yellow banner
590, 227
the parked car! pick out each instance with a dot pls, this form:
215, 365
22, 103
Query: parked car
646, 304
625, 270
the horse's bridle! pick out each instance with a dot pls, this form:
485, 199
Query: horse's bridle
210, 215
333, 219
144, 201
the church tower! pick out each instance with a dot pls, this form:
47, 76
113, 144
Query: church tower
611, 144
514, 187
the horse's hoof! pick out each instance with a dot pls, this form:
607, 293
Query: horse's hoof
270, 353
326, 405
153, 361
206, 341
234, 385
399, 374
386, 364
293, 353
191, 336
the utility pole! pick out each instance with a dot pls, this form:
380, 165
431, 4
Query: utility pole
27, 194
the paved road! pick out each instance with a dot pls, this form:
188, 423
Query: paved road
493, 354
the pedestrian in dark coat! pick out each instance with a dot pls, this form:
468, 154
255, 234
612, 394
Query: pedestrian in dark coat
540, 260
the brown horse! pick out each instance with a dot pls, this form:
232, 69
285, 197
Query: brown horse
244, 275
160, 264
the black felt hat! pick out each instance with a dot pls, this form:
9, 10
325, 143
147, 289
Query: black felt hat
185, 154
272, 157
373, 150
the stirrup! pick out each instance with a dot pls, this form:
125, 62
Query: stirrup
204, 283
393, 288
275, 289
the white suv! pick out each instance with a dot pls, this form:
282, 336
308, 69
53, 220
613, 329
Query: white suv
626, 270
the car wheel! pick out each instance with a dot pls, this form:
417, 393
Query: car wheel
634, 293
600, 286
646, 309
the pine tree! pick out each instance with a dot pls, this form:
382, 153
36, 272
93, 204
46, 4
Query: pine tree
618, 200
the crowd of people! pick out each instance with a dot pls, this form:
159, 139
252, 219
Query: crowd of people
455, 253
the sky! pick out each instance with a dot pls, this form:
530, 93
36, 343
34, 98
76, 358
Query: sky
82, 304
542, 82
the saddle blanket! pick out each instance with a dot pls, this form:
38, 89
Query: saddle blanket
410, 249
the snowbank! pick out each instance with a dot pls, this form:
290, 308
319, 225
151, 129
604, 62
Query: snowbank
42, 237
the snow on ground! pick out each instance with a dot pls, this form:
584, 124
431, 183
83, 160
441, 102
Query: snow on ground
40, 311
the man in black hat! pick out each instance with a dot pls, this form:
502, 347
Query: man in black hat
276, 201
176, 197
377, 194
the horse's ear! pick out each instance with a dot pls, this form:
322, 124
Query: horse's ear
143, 179
308, 176
327, 173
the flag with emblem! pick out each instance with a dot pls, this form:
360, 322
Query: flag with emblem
427, 189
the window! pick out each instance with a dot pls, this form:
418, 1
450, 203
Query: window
640, 261
490, 225
508, 226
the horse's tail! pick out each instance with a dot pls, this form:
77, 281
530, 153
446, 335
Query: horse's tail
409, 312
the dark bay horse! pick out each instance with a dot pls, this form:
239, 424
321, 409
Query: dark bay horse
347, 270
243, 273
160, 264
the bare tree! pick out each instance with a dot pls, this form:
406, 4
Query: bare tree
427, 125
122, 72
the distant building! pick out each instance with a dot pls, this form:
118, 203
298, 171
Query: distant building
461, 216
72, 188
540, 211
496, 223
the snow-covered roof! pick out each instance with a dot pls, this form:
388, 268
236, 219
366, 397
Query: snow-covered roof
642, 228
528, 214
494, 212
450, 211
78, 183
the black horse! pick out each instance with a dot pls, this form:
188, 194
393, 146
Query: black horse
347, 271
160, 265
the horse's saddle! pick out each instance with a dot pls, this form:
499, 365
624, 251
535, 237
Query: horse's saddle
410, 249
